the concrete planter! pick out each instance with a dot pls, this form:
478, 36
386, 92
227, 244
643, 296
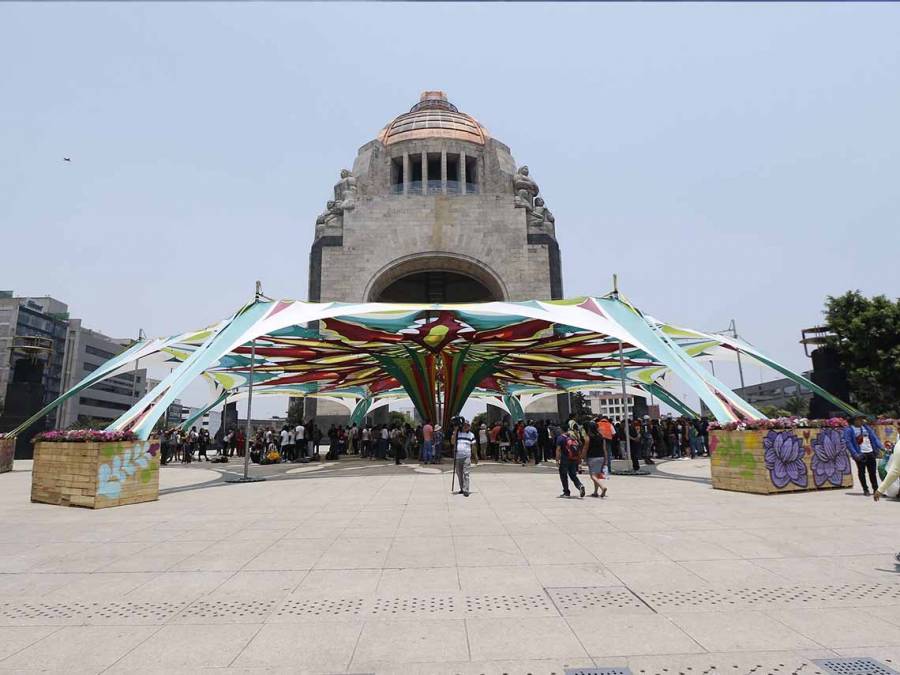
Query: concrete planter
769, 461
95, 475
7, 453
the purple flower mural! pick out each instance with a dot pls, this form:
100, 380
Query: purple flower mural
784, 459
830, 462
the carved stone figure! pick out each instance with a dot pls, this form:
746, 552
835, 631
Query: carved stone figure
525, 188
346, 190
540, 215
333, 212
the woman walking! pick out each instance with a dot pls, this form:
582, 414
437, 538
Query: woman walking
597, 460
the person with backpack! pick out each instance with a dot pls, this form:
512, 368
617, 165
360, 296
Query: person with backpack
568, 457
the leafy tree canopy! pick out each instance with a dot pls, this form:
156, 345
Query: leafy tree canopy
866, 337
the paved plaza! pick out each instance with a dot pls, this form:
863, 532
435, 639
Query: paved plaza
363, 567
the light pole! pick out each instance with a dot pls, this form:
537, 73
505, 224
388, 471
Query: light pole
141, 337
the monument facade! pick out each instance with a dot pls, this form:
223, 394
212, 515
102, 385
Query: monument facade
435, 210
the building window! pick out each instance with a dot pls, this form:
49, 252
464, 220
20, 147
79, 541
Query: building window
93, 351
397, 175
97, 403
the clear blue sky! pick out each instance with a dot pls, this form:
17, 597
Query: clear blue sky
728, 161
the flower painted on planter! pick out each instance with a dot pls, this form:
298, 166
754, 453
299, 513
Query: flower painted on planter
830, 462
111, 477
784, 459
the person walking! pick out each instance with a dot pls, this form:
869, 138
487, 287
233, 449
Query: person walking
863, 444
597, 460
568, 457
462, 456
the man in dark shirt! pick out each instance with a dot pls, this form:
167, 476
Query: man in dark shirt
568, 456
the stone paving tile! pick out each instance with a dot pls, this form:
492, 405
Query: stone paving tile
838, 628
173, 648
741, 631
631, 634
76, 649
314, 647
519, 638
394, 642
16, 638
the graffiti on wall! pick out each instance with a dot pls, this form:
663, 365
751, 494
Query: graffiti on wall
129, 463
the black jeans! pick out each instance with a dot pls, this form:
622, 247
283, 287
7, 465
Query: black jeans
865, 462
568, 470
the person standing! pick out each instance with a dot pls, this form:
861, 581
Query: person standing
438, 444
428, 442
597, 460
893, 473
530, 436
300, 440
646, 440
863, 445
568, 457
462, 456
634, 438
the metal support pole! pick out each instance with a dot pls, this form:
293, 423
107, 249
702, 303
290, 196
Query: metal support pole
249, 411
625, 426
246, 477
732, 328
134, 371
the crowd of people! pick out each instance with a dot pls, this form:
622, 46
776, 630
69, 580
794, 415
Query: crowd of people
502, 441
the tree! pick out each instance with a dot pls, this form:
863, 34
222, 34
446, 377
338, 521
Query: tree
395, 417
295, 411
580, 406
865, 334
479, 419
797, 405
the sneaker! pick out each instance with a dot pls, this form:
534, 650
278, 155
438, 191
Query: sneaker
866, 492
564, 495
581, 490
603, 493
465, 494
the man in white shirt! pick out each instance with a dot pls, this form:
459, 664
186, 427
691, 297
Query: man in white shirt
300, 439
863, 444
462, 458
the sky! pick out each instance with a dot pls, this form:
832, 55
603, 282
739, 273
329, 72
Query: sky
735, 161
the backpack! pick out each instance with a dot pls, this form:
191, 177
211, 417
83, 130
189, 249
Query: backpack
573, 450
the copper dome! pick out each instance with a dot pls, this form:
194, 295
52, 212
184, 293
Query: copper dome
433, 117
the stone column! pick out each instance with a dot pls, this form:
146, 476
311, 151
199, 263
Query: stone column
424, 173
405, 173
462, 173
443, 171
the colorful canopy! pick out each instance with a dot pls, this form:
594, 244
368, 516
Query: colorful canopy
364, 355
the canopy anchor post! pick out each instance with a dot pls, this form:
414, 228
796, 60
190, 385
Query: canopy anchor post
246, 478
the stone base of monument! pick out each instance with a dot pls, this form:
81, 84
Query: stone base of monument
95, 475
7, 453
769, 461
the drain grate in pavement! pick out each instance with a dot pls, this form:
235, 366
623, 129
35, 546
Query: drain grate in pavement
599, 671
787, 596
321, 607
228, 609
596, 598
854, 666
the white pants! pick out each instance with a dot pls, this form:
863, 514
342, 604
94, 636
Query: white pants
893, 471
463, 466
